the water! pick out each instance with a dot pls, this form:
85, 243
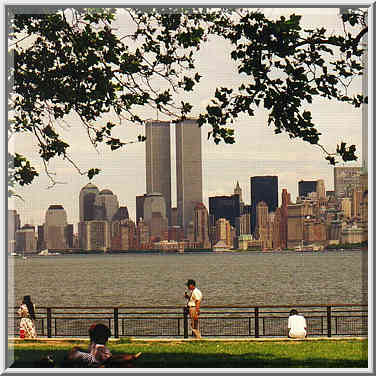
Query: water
252, 278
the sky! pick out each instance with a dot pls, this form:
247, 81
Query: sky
257, 150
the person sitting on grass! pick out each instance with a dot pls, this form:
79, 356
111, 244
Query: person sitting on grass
99, 355
297, 325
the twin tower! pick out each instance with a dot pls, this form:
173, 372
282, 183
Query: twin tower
188, 166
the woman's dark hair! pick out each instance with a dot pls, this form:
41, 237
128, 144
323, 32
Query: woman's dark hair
30, 306
293, 312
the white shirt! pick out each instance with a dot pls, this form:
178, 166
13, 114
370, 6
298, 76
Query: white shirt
195, 295
297, 324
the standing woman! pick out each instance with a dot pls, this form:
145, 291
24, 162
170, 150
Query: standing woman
27, 313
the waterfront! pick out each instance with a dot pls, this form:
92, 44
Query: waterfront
285, 278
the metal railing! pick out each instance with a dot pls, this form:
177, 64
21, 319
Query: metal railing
215, 321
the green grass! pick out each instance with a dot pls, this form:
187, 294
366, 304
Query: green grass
202, 354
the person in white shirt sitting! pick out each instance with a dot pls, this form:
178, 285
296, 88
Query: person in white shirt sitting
297, 325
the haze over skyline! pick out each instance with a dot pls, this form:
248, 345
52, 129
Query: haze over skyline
257, 150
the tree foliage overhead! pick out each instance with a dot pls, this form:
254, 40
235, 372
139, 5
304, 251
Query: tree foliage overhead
72, 61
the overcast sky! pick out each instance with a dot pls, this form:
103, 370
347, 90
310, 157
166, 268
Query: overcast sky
257, 151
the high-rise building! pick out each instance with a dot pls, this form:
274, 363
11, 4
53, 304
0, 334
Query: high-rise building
55, 231
346, 207
95, 235
87, 198
295, 225
108, 204
201, 226
158, 160
140, 207
25, 239
155, 216
124, 235
346, 179
320, 189
306, 186
223, 232
262, 219
188, 170
14, 224
286, 201
227, 207
263, 188
143, 237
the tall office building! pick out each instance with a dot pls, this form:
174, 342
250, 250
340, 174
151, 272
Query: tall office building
87, 198
14, 224
263, 188
158, 160
155, 216
55, 228
306, 186
25, 239
140, 207
106, 205
201, 226
346, 179
188, 170
227, 207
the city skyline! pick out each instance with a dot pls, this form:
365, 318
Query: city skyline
257, 150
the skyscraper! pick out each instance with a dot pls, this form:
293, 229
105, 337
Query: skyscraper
55, 228
109, 204
14, 224
188, 170
158, 161
87, 198
225, 207
346, 179
201, 226
306, 186
263, 188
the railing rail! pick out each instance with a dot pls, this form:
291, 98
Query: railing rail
220, 321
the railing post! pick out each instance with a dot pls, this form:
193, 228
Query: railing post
257, 333
116, 322
329, 320
185, 321
49, 322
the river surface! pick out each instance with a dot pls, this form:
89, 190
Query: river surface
242, 278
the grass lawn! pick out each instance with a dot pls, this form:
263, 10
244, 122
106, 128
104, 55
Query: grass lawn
201, 354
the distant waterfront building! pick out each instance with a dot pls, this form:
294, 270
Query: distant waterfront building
40, 241
95, 235
25, 239
356, 200
155, 216
295, 225
87, 198
286, 201
306, 186
346, 207
188, 170
56, 234
263, 188
124, 235
158, 160
201, 226
140, 207
121, 214
224, 232
14, 224
346, 179
320, 189
108, 203
143, 236
225, 207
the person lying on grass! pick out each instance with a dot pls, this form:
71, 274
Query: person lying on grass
99, 355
